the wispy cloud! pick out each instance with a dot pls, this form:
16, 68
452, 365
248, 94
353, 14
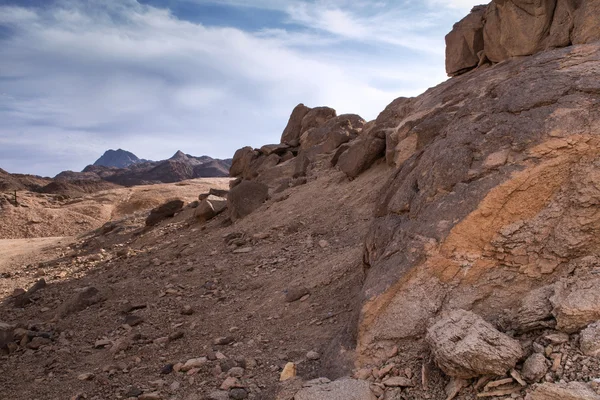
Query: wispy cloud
85, 76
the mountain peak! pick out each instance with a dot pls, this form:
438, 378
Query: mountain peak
117, 158
179, 155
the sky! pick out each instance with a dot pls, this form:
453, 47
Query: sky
78, 77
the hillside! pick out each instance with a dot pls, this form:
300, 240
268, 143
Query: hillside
446, 250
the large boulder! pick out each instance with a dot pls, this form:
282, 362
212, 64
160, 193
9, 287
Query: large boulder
329, 136
246, 197
465, 42
524, 27
293, 130
164, 211
316, 117
242, 161
536, 310
360, 155
465, 346
343, 389
576, 304
563, 391
210, 207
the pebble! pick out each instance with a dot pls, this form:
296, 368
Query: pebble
150, 396
133, 320
230, 383
236, 372
193, 363
86, 377
167, 369
289, 371
222, 341
238, 394
187, 310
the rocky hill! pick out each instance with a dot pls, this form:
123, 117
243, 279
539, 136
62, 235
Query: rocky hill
446, 250
117, 158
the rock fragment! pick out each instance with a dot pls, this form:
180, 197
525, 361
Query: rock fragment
465, 346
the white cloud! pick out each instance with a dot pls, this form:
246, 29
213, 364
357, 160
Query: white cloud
83, 77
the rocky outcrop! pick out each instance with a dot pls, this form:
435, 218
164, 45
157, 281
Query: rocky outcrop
512, 28
164, 211
311, 135
465, 346
245, 198
492, 198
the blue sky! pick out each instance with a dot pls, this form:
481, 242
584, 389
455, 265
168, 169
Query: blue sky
78, 77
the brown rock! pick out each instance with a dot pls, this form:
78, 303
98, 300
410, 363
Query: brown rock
315, 118
586, 23
293, 130
465, 346
465, 42
361, 154
343, 389
560, 391
246, 197
576, 304
589, 340
241, 161
296, 293
210, 207
536, 310
535, 367
167, 210
81, 300
6, 334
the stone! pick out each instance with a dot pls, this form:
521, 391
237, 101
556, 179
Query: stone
313, 355
465, 346
86, 377
589, 340
576, 304
293, 129
535, 367
236, 372
289, 371
166, 369
563, 391
6, 334
278, 149
210, 207
316, 117
82, 299
218, 395
230, 383
133, 320
223, 341
398, 381
238, 394
361, 154
150, 396
343, 389
164, 211
193, 363
454, 387
465, 42
536, 310
295, 294
133, 391
246, 197
241, 161
21, 298
331, 135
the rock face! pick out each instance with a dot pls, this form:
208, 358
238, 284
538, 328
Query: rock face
492, 184
558, 391
343, 389
245, 198
167, 210
465, 346
293, 130
513, 28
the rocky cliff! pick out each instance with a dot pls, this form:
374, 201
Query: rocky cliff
506, 29
490, 207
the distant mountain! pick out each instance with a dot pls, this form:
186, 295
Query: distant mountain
179, 167
117, 158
